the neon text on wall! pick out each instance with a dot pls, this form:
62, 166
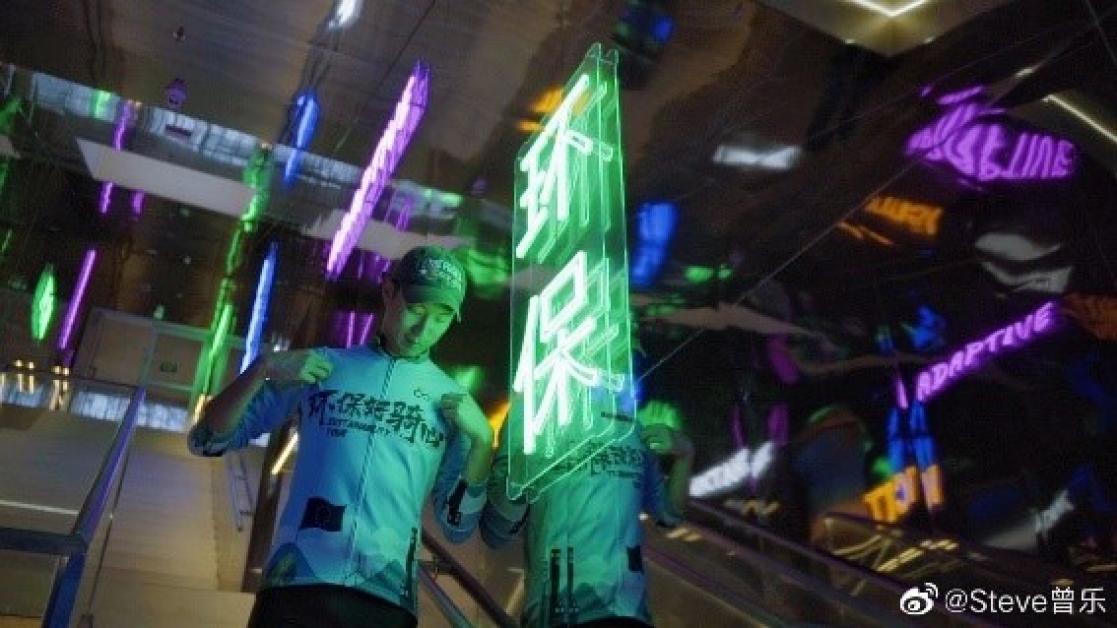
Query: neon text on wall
409, 110
964, 138
571, 349
917, 218
932, 381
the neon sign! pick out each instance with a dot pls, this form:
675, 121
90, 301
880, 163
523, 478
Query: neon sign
409, 110
572, 343
745, 465
988, 151
260, 308
306, 119
42, 304
76, 299
935, 379
918, 218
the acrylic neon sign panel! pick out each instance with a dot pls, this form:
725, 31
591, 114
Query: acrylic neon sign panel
932, 381
966, 138
571, 350
409, 110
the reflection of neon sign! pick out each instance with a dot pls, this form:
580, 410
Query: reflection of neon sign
730, 474
573, 364
918, 218
259, 308
76, 299
409, 110
42, 304
934, 380
656, 226
990, 151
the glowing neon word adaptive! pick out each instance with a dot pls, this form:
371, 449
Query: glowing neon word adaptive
990, 151
409, 110
934, 380
918, 218
306, 120
573, 364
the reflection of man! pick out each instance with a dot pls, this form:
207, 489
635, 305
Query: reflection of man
379, 426
582, 556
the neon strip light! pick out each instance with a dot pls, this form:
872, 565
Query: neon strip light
935, 379
286, 453
366, 329
122, 122
1081, 115
221, 334
307, 121
885, 11
42, 305
409, 111
76, 299
138, 202
260, 307
656, 226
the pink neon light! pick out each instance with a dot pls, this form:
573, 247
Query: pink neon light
106, 196
409, 110
933, 380
76, 299
122, 121
349, 330
901, 392
138, 202
990, 151
367, 328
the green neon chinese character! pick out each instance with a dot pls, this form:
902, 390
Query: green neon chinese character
572, 377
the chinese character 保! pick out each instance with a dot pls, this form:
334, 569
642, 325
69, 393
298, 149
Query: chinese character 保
562, 370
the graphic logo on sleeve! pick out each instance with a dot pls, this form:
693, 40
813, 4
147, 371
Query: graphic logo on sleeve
337, 412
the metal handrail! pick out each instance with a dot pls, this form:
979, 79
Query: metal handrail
993, 556
811, 553
75, 545
450, 611
471, 585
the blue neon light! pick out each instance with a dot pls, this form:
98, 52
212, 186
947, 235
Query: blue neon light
260, 307
306, 107
655, 227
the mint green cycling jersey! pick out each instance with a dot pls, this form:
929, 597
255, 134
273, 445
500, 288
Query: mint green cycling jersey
372, 446
583, 537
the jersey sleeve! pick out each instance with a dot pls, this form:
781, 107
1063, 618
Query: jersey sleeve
267, 410
457, 504
502, 517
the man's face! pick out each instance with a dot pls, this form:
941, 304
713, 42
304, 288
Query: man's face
410, 329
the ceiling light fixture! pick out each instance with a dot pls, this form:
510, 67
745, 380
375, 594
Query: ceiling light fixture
885, 11
1081, 115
